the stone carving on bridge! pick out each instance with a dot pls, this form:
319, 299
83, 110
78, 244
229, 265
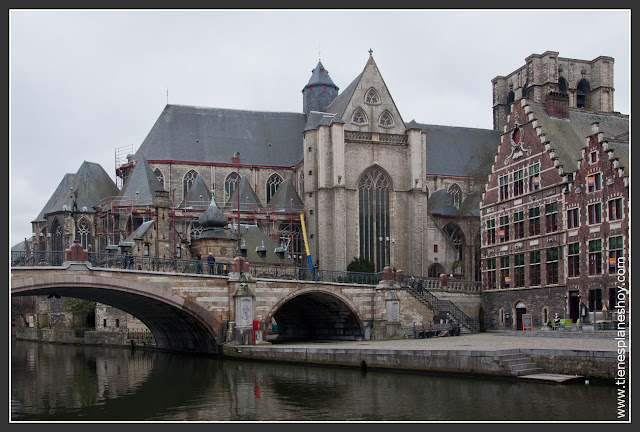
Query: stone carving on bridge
244, 311
392, 306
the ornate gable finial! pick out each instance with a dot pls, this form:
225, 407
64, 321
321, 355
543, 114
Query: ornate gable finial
370, 52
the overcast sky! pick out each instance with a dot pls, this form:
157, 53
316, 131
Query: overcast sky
84, 84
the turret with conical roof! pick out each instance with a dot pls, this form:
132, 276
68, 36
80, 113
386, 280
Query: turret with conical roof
319, 92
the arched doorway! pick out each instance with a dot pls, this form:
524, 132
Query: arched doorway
435, 270
521, 309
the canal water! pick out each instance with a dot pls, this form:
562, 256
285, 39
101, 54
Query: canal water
78, 383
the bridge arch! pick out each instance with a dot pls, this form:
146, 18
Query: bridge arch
177, 323
317, 313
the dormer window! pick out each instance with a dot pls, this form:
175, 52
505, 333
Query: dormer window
359, 117
386, 119
372, 97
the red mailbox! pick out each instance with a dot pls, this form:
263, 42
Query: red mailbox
256, 325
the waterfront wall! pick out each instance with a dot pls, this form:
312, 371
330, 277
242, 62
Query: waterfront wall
586, 363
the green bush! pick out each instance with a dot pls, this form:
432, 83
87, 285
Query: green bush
361, 265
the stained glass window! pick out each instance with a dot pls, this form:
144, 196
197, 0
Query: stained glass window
230, 185
272, 185
374, 218
372, 97
386, 119
187, 182
159, 176
456, 195
359, 117
84, 233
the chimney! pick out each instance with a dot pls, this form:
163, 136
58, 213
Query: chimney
557, 104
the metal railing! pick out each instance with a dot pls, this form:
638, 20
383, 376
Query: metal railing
32, 259
306, 274
440, 306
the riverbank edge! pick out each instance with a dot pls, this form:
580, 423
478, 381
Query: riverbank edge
599, 365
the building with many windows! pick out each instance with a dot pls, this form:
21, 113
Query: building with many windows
369, 185
554, 213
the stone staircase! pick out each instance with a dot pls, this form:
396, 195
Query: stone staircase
518, 364
441, 308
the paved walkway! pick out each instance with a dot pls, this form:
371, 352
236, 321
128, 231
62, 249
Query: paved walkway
488, 341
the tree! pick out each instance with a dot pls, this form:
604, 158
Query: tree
85, 309
361, 265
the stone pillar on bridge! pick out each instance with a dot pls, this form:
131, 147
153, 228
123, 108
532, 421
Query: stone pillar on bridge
76, 253
241, 286
386, 308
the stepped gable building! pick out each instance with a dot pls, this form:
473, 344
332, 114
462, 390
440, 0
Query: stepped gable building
349, 164
554, 215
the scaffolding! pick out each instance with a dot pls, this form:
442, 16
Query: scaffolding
119, 217
122, 164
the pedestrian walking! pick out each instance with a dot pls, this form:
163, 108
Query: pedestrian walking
211, 262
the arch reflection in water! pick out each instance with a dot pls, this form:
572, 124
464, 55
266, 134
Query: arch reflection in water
77, 383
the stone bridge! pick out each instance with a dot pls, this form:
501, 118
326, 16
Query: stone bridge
197, 313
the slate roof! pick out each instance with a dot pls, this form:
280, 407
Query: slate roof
320, 76
189, 133
199, 195
139, 232
253, 237
140, 187
440, 203
286, 199
248, 199
568, 136
340, 103
92, 184
22, 247
458, 151
315, 119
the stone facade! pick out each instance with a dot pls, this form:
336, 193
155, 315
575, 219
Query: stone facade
547, 72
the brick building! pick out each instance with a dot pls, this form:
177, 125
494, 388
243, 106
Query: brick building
554, 213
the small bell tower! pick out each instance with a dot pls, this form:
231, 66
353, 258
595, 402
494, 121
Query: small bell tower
319, 92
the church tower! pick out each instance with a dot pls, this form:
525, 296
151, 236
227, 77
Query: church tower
319, 92
587, 83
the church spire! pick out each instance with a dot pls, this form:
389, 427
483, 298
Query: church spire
319, 92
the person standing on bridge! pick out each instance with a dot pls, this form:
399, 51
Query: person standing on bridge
199, 263
211, 262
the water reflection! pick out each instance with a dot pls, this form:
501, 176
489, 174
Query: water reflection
60, 382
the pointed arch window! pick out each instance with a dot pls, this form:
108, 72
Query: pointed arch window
359, 117
159, 176
372, 97
582, 94
456, 238
195, 231
272, 185
84, 233
187, 182
456, 195
56, 236
562, 85
386, 119
374, 217
230, 185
